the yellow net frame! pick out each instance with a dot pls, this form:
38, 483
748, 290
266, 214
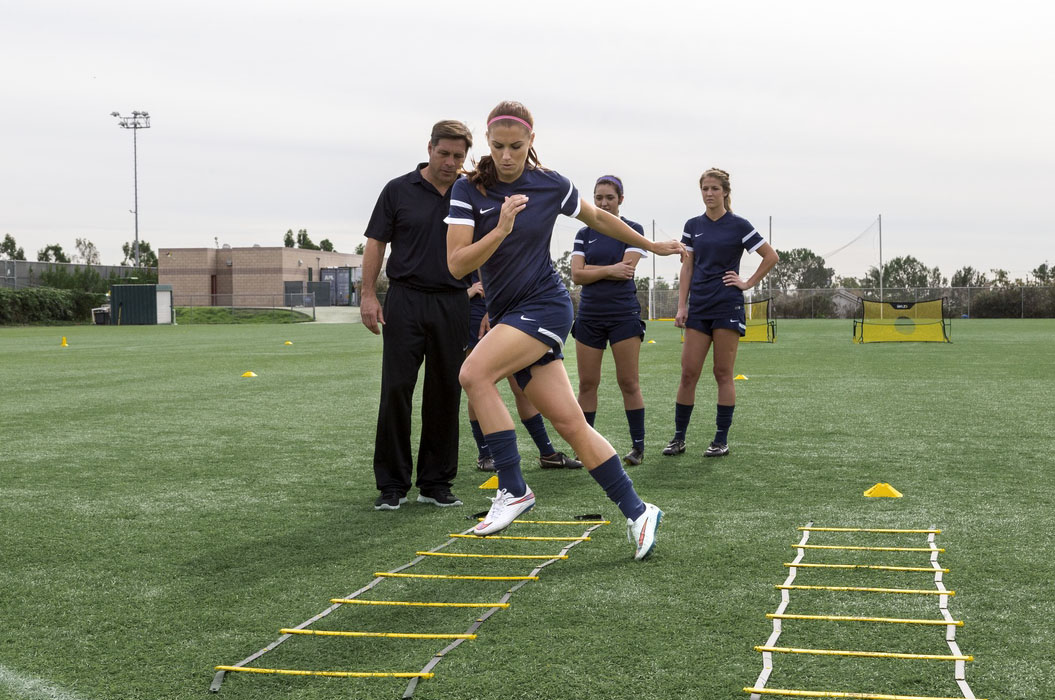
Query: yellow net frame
761, 328
902, 321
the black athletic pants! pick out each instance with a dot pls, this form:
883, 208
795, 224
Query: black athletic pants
429, 326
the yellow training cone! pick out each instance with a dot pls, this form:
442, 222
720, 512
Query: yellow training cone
491, 483
64, 344
651, 342
739, 376
883, 490
249, 374
289, 342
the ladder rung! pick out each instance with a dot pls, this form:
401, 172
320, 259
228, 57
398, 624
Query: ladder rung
883, 530
868, 654
328, 674
836, 694
921, 569
494, 556
865, 549
393, 635
533, 539
848, 618
382, 574
560, 522
356, 601
862, 590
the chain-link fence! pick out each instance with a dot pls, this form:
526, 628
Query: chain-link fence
17, 274
961, 302
224, 308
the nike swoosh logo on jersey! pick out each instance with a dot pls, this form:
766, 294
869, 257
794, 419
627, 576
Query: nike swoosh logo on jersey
484, 211
592, 240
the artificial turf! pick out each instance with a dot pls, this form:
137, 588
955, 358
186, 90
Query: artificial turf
160, 515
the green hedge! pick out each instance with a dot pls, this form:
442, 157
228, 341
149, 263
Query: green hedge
47, 305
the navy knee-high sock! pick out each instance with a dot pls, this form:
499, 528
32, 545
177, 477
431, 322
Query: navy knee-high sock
590, 416
503, 446
615, 482
724, 421
482, 449
682, 413
537, 429
635, 418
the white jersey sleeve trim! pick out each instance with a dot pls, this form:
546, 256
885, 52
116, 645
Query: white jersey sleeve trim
571, 188
579, 253
463, 205
756, 246
688, 249
742, 240
640, 251
460, 222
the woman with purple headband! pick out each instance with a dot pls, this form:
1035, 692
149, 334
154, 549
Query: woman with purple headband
609, 313
501, 221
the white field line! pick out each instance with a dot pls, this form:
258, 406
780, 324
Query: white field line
29, 688
785, 599
950, 631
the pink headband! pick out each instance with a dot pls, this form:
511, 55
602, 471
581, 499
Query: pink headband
510, 116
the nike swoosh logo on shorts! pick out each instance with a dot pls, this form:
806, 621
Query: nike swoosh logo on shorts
484, 211
525, 318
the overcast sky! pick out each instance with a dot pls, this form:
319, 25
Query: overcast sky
268, 116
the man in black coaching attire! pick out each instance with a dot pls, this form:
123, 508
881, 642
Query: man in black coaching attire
425, 315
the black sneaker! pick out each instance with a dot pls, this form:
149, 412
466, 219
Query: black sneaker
716, 449
486, 464
389, 501
558, 460
439, 497
634, 457
674, 447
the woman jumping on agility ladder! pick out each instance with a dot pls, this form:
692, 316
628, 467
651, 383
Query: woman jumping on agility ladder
501, 221
609, 313
711, 304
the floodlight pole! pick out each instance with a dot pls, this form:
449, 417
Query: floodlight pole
138, 120
880, 258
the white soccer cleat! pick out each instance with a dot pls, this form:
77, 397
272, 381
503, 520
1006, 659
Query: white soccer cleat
505, 508
642, 532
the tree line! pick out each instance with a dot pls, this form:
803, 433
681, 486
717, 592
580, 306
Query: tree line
801, 268
87, 253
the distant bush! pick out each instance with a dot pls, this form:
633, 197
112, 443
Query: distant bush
46, 305
88, 279
1025, 302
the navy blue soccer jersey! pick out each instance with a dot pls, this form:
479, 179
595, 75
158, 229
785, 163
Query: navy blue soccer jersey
607, 299
717, 247
521, 269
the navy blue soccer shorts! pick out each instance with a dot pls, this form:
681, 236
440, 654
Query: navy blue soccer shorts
476, 316
597, 334
550, 322
733, 321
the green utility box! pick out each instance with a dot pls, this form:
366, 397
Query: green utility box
140, 304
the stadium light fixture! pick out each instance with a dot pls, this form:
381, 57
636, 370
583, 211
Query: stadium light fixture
138, 120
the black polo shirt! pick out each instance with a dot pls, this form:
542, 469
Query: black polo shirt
409, 216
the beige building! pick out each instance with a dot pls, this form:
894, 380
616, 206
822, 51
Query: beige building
258, 276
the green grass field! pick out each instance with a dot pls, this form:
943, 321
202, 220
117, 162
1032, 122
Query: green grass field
160, 515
